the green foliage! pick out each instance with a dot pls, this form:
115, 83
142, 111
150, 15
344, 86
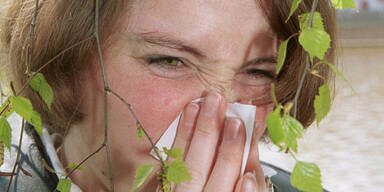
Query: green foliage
64, 185
343, 4
295, 5
337, 71
139, 130
141, 175
1, 153
281, 55
293, 129
73, 165
6, 108
177, 172
5, 133
275, 126
315, 41
174, 153
284, 129
317, 21
322, 103
306, 177
24, 108
40, 85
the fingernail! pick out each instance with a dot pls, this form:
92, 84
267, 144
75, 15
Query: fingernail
232, 129
190, 114
211, 104
249, 182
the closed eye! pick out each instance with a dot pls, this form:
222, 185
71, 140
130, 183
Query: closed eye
165, 61
260, 73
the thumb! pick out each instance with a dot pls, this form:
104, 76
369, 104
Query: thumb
247, 183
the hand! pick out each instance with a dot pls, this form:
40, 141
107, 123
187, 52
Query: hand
214, 158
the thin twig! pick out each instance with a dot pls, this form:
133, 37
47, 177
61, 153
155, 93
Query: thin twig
300, 86
6, 174
32, 36
17, 156
307, 62
30, 51
137, 121
84, 160
106, 87
62, 52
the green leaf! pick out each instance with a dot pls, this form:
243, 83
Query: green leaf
64, 185
177, 172
141, 175
5, 133
139, 130
293, 130
39, 84
295, 5
315, 41
275, 126
343, 4
339, 73
306, 177
174, 153
1, 153
24, 108
322, 103
73, 165
281, 56
6, 108
36, 122
317, 21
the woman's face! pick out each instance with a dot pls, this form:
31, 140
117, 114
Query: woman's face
163, 55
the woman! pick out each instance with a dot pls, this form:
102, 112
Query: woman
159, 56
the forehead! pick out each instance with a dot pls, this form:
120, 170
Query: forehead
214, 25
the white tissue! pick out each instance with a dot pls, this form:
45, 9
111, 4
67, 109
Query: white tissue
242, 111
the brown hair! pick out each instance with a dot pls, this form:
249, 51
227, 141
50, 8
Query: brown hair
61, 24
277, 12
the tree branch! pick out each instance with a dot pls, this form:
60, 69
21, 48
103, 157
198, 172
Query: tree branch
106, 87
307, 63
17, 156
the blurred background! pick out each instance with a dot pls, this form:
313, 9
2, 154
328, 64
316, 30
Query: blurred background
349, 144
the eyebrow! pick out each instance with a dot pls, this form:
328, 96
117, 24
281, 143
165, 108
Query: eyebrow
262, 60
170, 42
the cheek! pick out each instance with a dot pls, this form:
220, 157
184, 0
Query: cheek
155, 101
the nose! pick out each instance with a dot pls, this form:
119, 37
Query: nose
227, 90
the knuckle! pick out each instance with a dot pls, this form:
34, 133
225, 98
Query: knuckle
196, 176
206, 131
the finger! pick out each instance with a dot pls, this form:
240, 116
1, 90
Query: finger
186, 126
204, 141
228, 163
253, 163
248, 183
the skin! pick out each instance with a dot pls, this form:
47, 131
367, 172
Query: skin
228, 35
